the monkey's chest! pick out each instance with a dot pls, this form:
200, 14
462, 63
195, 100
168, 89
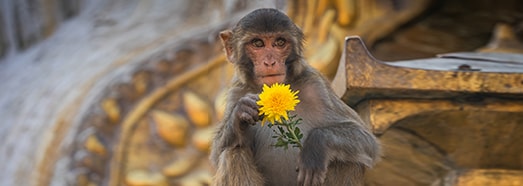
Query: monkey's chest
278, 165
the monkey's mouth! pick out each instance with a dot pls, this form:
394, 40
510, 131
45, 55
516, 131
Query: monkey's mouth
272, 75
272, 78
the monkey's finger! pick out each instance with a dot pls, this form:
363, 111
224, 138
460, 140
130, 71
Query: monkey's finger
255, 97
308, 178
303, 177
250, 102
252, 112
247, 118
246, 114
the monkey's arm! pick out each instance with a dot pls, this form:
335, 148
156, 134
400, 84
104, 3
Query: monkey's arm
232, 153
348, 142
234, 133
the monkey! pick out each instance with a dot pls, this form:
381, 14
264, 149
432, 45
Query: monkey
266, 47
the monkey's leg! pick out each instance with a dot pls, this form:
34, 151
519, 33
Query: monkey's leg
344, 173
236, 168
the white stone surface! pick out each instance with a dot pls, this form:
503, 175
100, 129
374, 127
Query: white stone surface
51, 85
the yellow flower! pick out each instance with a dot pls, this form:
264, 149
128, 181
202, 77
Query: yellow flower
276, 101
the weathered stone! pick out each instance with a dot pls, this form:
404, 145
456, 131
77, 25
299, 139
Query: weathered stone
172, 128
202, 139
197, 109
145, 178
181, 166
140, 81
220, 104
112, 109
196, 178
361, 76
346, 11
408, 160
489, 177
94, 55
435, 119
504, 40
93, 145
322, 56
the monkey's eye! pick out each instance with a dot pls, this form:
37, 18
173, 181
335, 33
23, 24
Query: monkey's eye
257, 43
280, 42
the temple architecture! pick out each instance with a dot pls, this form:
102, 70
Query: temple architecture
119, 92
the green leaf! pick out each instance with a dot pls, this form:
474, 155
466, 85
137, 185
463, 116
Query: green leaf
281, 130
281, 143
289, 135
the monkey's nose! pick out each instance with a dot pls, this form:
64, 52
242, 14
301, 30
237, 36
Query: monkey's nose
269, 62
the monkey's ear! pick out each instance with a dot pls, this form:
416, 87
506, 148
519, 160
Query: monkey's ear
225, 36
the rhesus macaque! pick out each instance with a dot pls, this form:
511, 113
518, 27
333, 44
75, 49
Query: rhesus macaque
266, 48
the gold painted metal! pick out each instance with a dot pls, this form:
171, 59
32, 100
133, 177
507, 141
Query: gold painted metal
488, 177
112, 109
436, 120
197, 109
383, 113
93, 145
172, 128
365, 77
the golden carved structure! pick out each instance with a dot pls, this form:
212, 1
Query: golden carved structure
451, 119
439, 124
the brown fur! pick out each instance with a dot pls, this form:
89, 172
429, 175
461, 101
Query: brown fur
337, 146
231, 172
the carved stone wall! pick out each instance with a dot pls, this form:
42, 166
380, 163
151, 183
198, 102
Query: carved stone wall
52, 93
127, 92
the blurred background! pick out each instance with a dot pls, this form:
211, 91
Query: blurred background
127, 92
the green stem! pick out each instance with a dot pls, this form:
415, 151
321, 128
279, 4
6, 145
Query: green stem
294, 137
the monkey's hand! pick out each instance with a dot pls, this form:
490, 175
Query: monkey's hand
246, 111
312, 163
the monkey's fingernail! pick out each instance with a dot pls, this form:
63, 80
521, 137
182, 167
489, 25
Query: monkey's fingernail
297, 169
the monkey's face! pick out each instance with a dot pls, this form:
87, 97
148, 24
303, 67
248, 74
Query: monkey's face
268, 53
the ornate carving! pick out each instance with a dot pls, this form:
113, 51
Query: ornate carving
157, 127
